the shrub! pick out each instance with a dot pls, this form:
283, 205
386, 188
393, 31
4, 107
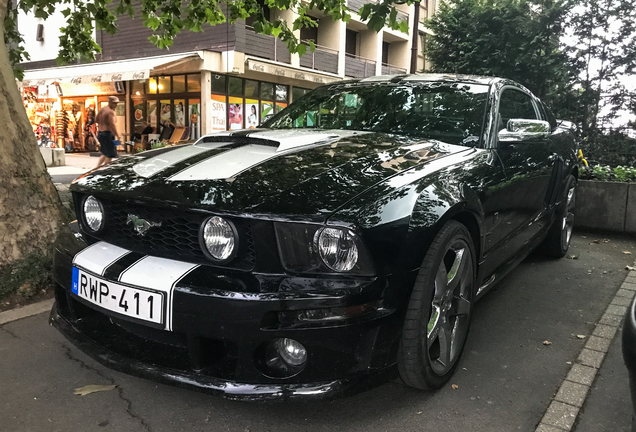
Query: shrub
26, 276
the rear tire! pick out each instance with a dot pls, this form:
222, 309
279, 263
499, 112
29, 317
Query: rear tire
439, 310
557, 242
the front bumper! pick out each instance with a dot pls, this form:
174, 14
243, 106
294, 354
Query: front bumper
218, 336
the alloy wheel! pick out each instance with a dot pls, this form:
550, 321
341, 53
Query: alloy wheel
567, 222
447, 327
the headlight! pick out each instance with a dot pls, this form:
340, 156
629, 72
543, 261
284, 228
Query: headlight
93, 213
219, 238
337, 248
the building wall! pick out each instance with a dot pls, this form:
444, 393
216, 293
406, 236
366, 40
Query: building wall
131, 41
48, 49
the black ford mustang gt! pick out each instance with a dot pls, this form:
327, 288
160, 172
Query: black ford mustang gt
343, 242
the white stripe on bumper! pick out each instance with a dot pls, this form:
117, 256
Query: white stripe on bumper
97, 257
160, 274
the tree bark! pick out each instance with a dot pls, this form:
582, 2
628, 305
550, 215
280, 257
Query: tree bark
30, 208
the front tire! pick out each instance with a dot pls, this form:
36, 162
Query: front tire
557, 242
439, 310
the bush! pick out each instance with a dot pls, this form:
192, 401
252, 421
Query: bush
605, 173
27, 276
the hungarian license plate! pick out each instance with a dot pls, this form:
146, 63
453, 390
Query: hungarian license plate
125, 300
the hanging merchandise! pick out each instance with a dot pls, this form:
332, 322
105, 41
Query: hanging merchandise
61, 125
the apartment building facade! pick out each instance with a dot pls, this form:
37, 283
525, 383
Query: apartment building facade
226, 77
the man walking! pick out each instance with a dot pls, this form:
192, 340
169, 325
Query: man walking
106, 121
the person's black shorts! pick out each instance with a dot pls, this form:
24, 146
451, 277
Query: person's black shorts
107, 144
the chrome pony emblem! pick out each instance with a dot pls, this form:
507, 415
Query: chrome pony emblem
140, 225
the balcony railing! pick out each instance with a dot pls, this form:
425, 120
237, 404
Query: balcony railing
359, 67
388, 69
265, 46
323, 59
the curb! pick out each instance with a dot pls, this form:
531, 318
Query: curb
26, 311
564, 409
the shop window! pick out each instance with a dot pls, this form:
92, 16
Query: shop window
235, 87
166, 112
194, 110
178, 84
194, 83
251, 89
152, 85
267, 91
152, 115
179, 113
218, 83
164, 85
281, 92
267, 108
138, 88
297, 93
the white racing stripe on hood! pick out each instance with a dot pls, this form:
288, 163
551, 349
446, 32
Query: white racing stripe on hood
233, 162
156, 164
227, 164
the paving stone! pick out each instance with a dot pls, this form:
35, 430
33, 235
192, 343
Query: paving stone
611, 320
582, 374
572, 393
598, 344
591, 358
616, 310
625, 293
546, 428
628, 286
605, 331
560, 415
621, 301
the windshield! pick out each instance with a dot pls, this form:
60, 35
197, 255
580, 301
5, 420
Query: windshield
449, 112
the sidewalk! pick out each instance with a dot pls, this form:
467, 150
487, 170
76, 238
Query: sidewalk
76, 165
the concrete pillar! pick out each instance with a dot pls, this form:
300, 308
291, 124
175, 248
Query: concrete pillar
289, 16
370, 44
206, 92
341, 49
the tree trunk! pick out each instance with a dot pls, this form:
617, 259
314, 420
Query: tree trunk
30, 208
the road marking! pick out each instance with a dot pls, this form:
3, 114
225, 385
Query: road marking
26, 311
575, 388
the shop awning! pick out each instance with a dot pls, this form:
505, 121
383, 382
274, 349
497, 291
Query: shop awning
124, 70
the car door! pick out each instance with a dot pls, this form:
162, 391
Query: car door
528, 164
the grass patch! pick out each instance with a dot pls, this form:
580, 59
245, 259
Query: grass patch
27, 276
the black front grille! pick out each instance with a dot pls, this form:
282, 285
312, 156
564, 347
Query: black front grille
176, 238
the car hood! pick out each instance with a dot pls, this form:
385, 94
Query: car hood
300, 173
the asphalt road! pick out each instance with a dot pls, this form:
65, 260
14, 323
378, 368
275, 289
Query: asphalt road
505, 381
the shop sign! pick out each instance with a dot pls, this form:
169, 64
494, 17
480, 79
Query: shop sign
96, 88
289, 72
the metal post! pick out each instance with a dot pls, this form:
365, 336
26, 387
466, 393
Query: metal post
416, 34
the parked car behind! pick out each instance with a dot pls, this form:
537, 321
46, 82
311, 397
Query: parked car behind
343, 242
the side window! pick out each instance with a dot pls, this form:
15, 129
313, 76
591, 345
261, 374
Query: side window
514, 104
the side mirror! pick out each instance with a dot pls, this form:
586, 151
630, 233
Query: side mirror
519, 130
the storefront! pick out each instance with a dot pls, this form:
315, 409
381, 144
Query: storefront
63, 115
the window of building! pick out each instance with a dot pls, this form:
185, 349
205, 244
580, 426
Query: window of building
152, 85
351, 42
218, 84
164, 84
298, 92
194, 83
281, 92
267, 91
251, 89
235, 86
385, 52
249, 21
178, 84
138, 88
309, 34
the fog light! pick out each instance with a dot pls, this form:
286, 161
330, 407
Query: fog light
292, 352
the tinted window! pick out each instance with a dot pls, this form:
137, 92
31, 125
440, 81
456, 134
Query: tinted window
451, 112
516, 105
